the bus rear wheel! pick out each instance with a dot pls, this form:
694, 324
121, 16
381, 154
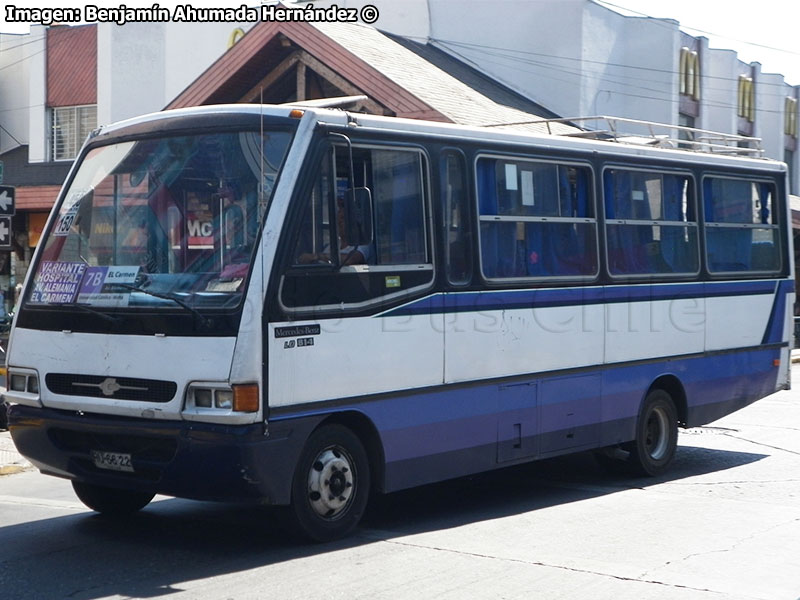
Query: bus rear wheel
331, 484
112, 502
652, 451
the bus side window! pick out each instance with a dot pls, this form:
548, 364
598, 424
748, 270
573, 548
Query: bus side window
395, 178
395, 181
314, 239
328, 271
651, 223
742, 233
458, 231
536, 219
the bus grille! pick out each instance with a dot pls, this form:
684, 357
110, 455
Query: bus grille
118, 388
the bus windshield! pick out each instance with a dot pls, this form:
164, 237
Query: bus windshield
156, 222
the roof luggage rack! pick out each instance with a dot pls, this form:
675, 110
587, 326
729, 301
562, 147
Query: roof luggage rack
333, 102
662, 135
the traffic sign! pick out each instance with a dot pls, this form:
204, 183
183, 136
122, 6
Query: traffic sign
7, 207
5, 233
1, 171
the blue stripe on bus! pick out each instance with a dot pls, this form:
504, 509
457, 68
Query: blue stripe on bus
455, 302
777, 318
733, 376
419, 426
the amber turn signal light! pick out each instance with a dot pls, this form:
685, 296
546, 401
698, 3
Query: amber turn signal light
245, 398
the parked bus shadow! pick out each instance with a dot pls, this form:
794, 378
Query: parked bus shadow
529, 487
84, 556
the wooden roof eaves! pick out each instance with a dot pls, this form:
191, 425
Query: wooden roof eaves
199, 91
362, 75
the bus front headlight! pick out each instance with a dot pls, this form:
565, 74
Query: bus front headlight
224, 399
23, 387
209, 400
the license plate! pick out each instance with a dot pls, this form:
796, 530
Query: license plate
113, 461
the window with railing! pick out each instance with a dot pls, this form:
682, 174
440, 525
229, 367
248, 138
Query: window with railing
69, 127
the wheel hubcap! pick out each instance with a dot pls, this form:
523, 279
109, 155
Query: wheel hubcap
657, 434
331, 483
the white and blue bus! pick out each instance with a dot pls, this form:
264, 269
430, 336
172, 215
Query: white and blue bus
302, 306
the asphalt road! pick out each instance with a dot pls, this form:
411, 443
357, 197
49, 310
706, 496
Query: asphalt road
724, 524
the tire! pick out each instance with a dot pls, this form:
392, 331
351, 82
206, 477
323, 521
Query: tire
652, 451
111, 502
331, 484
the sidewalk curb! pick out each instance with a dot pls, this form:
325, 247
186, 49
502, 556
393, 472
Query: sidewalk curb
11, 461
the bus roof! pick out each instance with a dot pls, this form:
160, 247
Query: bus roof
503, 133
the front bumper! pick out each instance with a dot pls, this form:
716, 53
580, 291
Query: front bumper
176, 458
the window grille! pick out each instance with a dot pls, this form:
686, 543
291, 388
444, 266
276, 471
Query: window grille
69, 128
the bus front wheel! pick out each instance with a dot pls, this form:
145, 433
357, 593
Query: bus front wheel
111, 502
656, 435
331, 484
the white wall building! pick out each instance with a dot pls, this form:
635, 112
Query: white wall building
578, 58
18, 53
574, 57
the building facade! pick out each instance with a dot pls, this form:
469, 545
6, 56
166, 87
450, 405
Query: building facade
579, 59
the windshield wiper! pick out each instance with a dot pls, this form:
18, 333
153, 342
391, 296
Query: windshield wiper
93, 311
204, 319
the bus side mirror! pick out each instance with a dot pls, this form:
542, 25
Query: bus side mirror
358, 216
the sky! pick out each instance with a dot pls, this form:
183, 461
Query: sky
765, 31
